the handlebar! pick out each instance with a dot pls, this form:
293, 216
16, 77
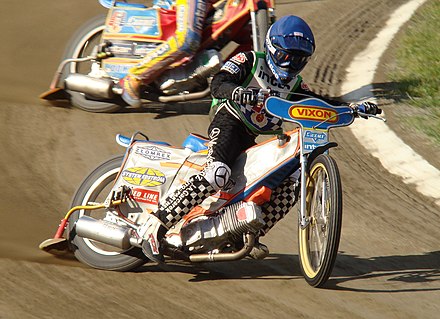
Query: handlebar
371, 113
365, 115
261, 95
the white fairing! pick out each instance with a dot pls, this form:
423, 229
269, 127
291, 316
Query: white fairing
153, 170
253, 165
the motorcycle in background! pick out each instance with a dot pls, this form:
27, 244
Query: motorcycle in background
114, 200
104, 49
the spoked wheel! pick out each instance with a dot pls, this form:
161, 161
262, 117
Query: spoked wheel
95, 188
82, 45
319, 240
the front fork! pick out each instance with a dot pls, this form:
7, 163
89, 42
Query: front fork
303, 220
305, 158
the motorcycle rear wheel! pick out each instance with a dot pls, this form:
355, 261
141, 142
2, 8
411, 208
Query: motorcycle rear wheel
95, 188
319, 240
81, 45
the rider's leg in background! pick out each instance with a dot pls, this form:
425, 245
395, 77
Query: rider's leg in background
189, 26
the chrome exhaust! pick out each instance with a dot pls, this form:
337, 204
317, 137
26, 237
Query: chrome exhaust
97, 87
106, 232
248, 245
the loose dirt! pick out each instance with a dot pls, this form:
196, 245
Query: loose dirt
389, 258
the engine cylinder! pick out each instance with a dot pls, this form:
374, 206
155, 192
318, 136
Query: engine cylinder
231, 222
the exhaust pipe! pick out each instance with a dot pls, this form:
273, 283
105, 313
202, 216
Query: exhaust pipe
121, 237
248, 245
97, 87
105, 232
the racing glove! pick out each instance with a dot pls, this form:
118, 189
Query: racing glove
244, 96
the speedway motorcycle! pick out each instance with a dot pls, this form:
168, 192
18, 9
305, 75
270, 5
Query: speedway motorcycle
113, 201
103, 50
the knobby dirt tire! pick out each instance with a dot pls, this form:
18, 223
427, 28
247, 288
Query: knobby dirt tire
319, 240
95, 188
81, 45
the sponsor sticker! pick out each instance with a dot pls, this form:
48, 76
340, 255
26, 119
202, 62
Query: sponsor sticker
121, 48
117, 68
313, 139
116, 21
317, 137
239, 58
309, 146
230, 67
153, 153
313, 113
304, 86
143, 176
147, 196
259, 119
143, 24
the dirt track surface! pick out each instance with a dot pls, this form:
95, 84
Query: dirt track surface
389, 258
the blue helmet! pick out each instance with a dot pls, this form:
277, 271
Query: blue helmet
289, 46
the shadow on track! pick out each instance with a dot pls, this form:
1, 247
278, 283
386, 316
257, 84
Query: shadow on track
276, 266
163, 110
385, 91
401, 273
410, 269
399, 269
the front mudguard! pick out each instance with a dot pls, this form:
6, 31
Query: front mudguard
317, 151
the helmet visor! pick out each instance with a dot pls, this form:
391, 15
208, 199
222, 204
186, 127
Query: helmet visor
290, 60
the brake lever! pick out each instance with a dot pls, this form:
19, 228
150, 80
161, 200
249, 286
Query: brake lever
361, 114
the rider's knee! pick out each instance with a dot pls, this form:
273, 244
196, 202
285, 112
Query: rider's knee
217, 175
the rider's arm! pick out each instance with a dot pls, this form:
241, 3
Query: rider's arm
233, 73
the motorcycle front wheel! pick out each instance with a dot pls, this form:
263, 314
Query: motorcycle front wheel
319, 240
95, 188
82, 45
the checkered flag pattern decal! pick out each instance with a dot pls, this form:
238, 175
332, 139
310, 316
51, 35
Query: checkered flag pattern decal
281, 202
185, 198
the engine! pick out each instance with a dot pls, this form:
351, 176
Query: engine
227, 226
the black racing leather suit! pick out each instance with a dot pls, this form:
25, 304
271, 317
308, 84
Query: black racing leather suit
233, 130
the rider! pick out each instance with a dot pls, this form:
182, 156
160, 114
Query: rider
191, 15
237, 122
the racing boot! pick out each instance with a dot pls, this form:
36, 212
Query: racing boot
131, 90
259, 251
170, 211
152, 232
